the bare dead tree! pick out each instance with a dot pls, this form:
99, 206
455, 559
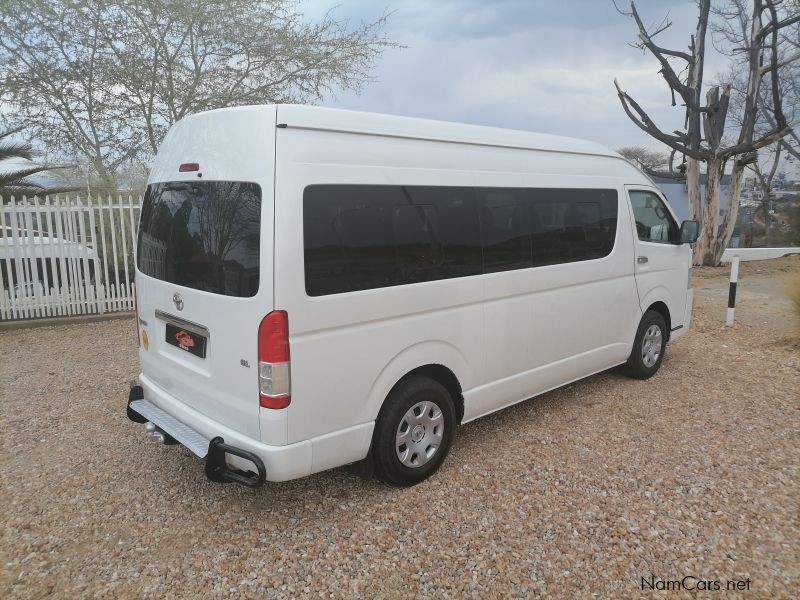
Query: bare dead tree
703, 140
769, 158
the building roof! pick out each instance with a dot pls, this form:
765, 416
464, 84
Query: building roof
726, 180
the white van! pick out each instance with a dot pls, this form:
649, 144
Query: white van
320, 287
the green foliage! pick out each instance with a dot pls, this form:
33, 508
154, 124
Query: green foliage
16, 180
100, 82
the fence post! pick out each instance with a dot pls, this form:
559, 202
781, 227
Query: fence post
5, 266
86, 286
19, 271
63, 271
112, 224
123, 234
48, 304
98, 300
732, 291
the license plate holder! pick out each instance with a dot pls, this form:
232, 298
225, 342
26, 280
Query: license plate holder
186, 340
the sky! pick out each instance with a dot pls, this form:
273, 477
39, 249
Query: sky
545, 66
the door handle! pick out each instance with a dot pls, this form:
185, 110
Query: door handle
641, 259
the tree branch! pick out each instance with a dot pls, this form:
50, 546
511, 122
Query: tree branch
786, 61
765, 140
779, 25
672, 79
645, 123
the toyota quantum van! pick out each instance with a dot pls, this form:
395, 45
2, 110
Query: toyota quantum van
320, 287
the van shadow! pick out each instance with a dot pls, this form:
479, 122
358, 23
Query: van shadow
495, 430
340, 490
504, 427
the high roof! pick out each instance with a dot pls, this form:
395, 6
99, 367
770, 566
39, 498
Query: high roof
333, 119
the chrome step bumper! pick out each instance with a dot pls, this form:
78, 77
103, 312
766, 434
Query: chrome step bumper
162, 426
185, 435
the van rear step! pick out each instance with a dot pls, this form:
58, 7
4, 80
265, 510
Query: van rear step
161, 426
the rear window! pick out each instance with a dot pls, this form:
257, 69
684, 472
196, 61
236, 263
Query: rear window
203, 235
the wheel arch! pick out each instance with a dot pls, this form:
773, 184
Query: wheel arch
661, 308
445, 377
436, 360
659, 300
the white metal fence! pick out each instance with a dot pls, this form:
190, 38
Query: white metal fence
67, 255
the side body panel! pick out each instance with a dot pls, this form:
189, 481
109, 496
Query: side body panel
347, 348
506, 336
550, 325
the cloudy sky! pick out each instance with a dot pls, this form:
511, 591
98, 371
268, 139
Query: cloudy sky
537, 65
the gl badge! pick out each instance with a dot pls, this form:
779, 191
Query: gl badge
177, 301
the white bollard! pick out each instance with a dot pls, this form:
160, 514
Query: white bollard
732, 290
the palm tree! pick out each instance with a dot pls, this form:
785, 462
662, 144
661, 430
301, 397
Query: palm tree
17, 180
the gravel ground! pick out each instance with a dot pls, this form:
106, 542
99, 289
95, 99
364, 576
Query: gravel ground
583, 491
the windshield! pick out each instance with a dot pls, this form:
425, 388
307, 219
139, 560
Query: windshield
202, 235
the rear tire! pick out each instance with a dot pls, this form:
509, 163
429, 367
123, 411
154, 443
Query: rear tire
414, 432
648, 347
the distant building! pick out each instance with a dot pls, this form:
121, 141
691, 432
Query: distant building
678, 196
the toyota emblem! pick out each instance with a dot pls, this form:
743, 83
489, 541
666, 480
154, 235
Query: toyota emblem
177, 301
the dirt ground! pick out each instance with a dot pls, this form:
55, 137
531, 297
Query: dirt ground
762, 296
592, 490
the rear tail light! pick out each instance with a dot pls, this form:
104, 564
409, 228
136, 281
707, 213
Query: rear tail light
274, 380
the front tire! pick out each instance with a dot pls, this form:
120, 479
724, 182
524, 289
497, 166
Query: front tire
648, 347
414, 432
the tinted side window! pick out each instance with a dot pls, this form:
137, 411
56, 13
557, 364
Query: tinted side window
572, 225
458, 228
347, 232
653, 221
417, 242
506, 228
359, 237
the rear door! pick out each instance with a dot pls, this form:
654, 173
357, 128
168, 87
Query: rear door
662, 265
204, 263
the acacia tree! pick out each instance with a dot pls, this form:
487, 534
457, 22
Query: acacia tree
649, 161
102, 80
703, 139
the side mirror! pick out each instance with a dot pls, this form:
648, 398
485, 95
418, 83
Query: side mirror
690, 230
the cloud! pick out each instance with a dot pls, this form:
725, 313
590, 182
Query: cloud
533, 65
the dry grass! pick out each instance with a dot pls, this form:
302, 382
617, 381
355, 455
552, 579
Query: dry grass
793, 291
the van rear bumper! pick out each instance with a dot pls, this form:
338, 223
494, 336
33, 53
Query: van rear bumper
161, 427
281, 463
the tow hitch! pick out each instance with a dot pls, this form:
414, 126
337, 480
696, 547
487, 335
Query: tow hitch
156, 434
